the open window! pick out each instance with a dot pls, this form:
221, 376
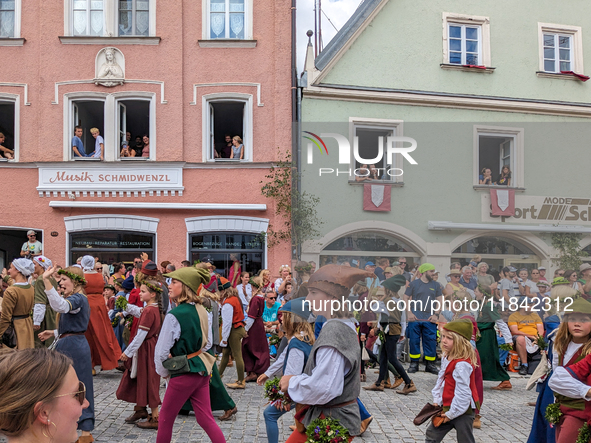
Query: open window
133, 121
225, 120
498, 149
8, 148
87, 114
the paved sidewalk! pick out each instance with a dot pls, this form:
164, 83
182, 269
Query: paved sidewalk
505, 415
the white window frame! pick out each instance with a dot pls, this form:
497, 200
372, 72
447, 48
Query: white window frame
468, 20
247, 123
518, 157
111, 19
110, 132
133, 14
463, 40
397, 128
248, 18
14, 99
576, 53
17, 21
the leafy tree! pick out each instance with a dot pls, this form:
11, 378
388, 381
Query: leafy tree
570, 250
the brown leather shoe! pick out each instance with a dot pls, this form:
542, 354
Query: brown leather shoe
150, 423
362, 377
503, 386
228, 414
137, 415
85, 439
387, 384
251, 378
397, 382
477, 423
374, 387
408, 389
237, 385
365, 424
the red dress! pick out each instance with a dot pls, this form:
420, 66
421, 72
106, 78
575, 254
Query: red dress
144, 390
104, 349
134, 299
255, 349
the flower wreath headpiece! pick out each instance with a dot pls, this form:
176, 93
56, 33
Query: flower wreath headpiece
153, 287
75, 278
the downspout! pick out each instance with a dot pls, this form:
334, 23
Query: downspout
296, 106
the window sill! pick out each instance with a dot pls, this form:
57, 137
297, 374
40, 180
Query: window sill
378, 182
87, 40
556, 75
227, 43
134, 159
10, 41
465, 68
486, 187
87, 159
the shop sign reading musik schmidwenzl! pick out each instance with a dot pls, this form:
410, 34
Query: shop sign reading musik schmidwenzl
543, 210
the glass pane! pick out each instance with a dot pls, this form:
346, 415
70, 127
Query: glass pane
237, 25
472, 59
493, 245
125, 6
142, 5
80, 4
96, 4
471, 46
455, 58
125, 23
455, 45
455, 31
549, 65
218, 25
472, 33
564, 42
143, 22
548, 40
565, 54
79, 22
369, 241
565, 66
236, 5
217, 6
549, 53
7, 5
96, 22
7, 24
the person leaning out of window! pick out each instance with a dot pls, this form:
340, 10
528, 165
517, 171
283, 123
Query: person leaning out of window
99, 145
237, 148
4, 151
485, 177
505, 177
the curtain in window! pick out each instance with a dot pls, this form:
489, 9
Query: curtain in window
6, 18
217, 18
134, 17
88, 17
236, 18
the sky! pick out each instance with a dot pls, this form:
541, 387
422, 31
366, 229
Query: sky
338, 11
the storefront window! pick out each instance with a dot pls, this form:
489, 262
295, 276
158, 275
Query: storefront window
225, 248
111, 246
493, 245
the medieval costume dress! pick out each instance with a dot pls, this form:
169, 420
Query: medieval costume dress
73, 321
43, 315
144, 389
104, 349
488, 346
255, 350
17, 305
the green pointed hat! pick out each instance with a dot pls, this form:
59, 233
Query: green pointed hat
462, 327
191, 277
579, 306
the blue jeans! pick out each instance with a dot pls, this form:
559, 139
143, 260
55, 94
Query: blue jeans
272, 414
502, 354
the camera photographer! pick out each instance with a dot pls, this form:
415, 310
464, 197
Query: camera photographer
31, 248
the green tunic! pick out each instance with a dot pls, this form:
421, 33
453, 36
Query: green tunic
191, 339
49, 322
487, 346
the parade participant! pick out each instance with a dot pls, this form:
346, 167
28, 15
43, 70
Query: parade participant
255, 350
111, 294
42, 397
572, 345
422, 320
235, 271
17, 304
232, 334
329, 385
245, 291
455, 389
43, 315
184, 333
140, 383
104, 348
74, 311
292, 361
391, 319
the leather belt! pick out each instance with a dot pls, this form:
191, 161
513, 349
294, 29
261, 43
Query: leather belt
71, 333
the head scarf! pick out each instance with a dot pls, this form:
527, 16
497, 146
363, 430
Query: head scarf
43, 261
87, 263
24, 266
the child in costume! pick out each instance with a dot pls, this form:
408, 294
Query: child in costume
330, 385
185, 332
292, 361
455, 389
142, 385
232, 333
572, 345
255, 349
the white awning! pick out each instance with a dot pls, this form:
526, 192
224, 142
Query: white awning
448, 226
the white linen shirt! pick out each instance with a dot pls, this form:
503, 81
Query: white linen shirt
562, 382
462, 392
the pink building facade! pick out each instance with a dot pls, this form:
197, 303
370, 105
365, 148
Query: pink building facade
182, 74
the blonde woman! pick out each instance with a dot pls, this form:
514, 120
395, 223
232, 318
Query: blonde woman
237, 148
284, 278
99, 145
265, 275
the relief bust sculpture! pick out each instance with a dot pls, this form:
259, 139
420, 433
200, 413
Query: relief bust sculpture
109, 73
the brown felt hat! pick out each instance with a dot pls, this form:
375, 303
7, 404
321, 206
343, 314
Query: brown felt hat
337, 280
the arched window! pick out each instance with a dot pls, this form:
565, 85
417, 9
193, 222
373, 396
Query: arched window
497, 252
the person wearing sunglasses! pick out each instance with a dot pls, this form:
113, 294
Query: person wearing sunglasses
49, 398
74, 313
32, 247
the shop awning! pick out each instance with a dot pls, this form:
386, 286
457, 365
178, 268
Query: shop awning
449, 226
157, 205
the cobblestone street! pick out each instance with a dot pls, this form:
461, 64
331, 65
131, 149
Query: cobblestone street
505, 415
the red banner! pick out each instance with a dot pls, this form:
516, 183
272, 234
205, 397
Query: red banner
503, 202
376, 198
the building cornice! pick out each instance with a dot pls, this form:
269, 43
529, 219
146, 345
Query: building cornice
446, 100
